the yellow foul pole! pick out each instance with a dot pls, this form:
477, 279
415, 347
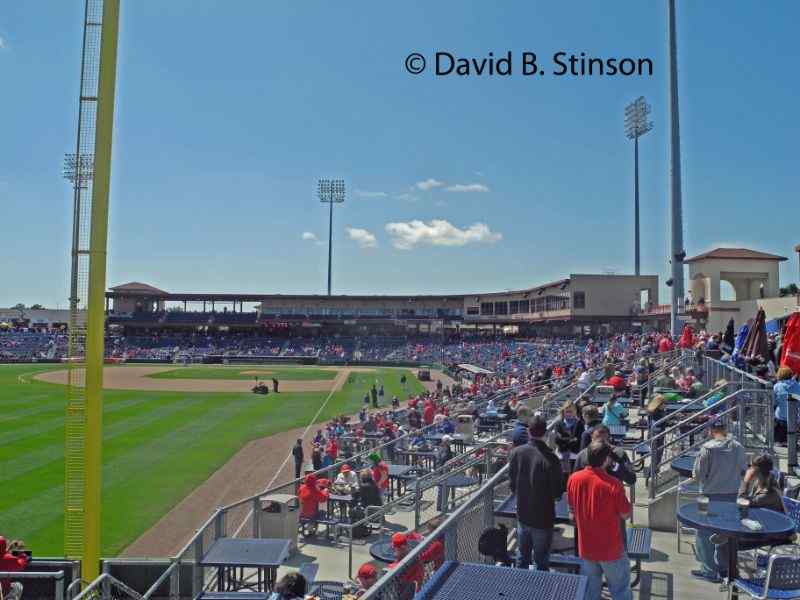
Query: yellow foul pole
90, 567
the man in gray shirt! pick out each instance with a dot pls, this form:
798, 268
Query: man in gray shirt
718, 470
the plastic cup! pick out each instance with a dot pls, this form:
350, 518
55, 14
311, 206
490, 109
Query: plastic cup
702, 504
743, 504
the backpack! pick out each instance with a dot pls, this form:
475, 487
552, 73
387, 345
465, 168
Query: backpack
357, 513
493, 543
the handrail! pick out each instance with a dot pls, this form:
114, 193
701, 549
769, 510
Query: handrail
57, 576
686, 406
720, 409
104, 580
375, 591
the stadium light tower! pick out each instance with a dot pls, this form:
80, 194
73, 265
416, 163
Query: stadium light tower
330, 191
636, 125
676, 203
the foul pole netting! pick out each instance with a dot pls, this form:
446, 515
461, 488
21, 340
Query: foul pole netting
89, 171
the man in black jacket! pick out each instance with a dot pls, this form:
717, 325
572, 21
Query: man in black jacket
297, 454
620, 463
535, 473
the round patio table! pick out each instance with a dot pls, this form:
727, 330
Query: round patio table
723, 517
384, 552
683, 465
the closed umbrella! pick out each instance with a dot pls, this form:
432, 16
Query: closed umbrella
756, 347
729, 339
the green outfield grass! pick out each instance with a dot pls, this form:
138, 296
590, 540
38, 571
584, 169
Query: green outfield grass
282, 373
157, 447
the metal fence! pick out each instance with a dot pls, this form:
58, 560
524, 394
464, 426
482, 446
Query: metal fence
107, 588
241, 518
458, 534
57, 578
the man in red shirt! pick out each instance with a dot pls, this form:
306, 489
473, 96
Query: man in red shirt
617, 381
11, 563
428, 413
380, 472
598, 502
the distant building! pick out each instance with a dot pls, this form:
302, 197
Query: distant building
575, 304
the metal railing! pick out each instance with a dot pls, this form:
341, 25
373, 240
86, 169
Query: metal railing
459, 535
56, 576
108, 588
233, 519
747, 414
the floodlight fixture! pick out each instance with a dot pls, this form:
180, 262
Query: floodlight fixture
330, 192
636, 125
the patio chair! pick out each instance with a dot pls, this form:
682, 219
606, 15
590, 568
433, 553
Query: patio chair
781, 583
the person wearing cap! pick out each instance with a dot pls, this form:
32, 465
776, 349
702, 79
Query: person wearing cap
347, 479
311, 494
414, 573
366, 576
380, 472
536, 479
617, 381
11, 563
718, 469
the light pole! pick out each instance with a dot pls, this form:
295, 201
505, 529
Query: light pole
636, 125
330, 191
676, 204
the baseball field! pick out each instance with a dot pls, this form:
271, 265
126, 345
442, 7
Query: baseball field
167, 429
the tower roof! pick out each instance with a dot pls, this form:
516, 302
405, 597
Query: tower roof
138, 288
735, 254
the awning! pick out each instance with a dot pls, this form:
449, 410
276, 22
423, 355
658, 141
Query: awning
475, 370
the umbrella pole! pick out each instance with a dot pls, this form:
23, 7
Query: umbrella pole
791, 434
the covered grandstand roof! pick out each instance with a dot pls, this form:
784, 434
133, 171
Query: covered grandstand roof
473, 369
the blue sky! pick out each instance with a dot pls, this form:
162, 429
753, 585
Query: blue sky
229, 111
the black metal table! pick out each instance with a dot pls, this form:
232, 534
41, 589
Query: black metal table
397, 479
508, 509
468, 581
384, 552
229, 554
415, 458
723, 517
452, 483
339, 505
459, 443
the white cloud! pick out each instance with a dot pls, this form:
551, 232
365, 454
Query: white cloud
407, 197
467, 187
362, 237
2, 42
428, 184
366, 194
310, 237
479, 173
438, 232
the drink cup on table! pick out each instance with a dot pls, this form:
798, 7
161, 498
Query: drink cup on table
743, 504
702, 504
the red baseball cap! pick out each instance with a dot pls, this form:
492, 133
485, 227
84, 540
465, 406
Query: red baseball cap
346, 469
367, 571
399, 540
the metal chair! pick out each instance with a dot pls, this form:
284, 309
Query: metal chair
327, 590
781, 583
